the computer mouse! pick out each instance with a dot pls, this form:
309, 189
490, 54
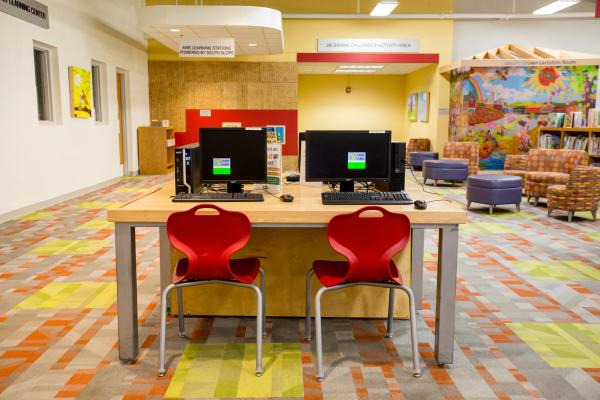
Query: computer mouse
286, 198
420, 204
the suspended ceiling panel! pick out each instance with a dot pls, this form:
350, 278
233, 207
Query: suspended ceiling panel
247, 25
404, 7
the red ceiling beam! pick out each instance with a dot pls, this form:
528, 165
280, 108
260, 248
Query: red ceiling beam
597, 8
406, 58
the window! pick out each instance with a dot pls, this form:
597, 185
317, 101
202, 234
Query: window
98, 91
47, 82
41, 59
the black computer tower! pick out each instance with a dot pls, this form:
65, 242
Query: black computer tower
396, 182
187, 168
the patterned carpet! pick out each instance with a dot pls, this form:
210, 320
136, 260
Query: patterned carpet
528, 318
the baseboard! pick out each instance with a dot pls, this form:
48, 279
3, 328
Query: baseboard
47, 203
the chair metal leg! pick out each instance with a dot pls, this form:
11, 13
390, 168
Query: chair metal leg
528, 199
535, 201
180, 312
263, 288
318, 334
468, 204
570, 217
424, 181
413, 331
390, 321
163, 330
518, 207
549, 211
491, 209
435, 182
594, 214
307, 327
259, 329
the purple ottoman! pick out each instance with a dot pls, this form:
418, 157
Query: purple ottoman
416, 158
494, 190
445, 170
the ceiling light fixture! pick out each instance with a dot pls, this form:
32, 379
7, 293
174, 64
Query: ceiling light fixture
360, 66
384, 8
174, 30
555, 7
353, 71
252, 44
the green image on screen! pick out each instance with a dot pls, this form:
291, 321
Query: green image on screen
221, 166
357, 160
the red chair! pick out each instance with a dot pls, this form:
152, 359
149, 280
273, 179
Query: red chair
208, 242
368, 243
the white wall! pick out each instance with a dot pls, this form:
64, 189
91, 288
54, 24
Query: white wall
473, 37
41, 161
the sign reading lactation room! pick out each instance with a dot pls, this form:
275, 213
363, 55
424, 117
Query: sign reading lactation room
28, 10
368, 45
206, 47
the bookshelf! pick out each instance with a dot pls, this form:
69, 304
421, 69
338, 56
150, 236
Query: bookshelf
587, 139
156, 150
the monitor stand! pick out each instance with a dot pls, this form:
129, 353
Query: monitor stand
235, 188
347, 186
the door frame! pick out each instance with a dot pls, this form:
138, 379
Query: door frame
129, 140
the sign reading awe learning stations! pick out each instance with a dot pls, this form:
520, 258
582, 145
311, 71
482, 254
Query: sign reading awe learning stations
368, 45
206, 47
28, 10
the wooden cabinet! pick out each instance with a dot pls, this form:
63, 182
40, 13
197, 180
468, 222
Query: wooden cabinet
156, 150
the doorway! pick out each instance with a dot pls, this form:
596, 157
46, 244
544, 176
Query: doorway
123, 120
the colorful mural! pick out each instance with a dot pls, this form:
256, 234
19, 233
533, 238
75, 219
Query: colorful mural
501, 107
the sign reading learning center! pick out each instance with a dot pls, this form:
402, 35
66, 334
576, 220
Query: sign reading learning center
28, 10
368, 45
207, 47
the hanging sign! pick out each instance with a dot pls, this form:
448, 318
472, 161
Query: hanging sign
30, 11
368, 45
206, 47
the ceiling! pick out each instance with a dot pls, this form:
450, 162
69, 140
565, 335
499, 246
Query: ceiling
405, 6
327, 68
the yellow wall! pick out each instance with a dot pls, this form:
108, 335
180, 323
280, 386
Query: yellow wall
375, 102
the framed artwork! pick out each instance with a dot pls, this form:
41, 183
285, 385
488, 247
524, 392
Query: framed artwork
423, 107
80, 92
412, 107
276, 132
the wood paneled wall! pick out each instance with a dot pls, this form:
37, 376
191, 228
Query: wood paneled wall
178, 85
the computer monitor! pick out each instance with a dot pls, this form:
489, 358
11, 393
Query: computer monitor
347, 156
233, 156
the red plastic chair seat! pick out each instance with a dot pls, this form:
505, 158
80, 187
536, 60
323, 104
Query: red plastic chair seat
244, 270
331, 273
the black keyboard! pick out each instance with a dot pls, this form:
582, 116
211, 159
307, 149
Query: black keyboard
366, 198
217, 197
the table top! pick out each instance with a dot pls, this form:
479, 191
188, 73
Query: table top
306, 208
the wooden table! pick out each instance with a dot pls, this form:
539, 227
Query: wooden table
306, 211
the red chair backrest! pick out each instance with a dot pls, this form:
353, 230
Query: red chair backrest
369, 243
208, 241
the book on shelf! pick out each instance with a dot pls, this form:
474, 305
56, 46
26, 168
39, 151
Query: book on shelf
595, 145
549, 141
593, 118
577, 119
560, 120
575, 143
551, 120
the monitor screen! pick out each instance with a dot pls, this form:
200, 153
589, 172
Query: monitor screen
233, 155
347, 155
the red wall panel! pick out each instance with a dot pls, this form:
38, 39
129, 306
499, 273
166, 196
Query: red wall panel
248, 118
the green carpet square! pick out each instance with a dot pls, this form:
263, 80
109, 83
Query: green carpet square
562, 345
228, 370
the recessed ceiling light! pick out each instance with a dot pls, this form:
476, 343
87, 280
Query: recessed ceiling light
360, 66
384, 8
252, 44
555, 7
174, 30
354, 71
